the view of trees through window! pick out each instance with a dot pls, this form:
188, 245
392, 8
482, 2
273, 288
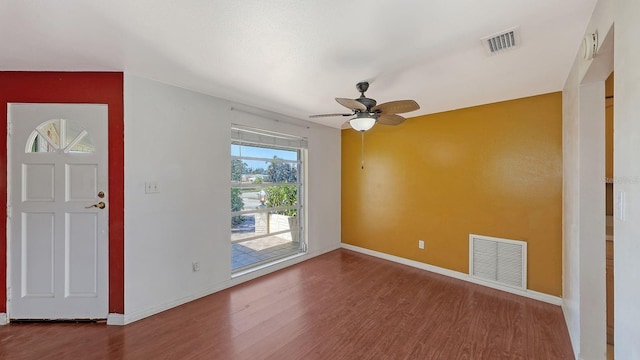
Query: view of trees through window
256, 179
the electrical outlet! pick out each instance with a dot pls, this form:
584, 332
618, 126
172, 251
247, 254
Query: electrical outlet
195, 266
421, 244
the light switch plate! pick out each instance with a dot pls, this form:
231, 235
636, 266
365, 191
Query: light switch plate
151, 187
621, 205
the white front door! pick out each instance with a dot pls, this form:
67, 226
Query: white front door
58, 239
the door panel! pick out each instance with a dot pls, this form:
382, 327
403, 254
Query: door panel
80, 259
37, 182
82, 182
59, 242
37, 255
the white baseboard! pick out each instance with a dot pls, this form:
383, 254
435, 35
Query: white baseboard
457, 275
128, 318
115, 319
4, 319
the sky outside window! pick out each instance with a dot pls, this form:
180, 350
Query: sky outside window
267, 153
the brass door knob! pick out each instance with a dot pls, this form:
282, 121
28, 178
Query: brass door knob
100, 205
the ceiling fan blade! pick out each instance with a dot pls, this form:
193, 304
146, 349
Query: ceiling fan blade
351, 104
390, 119
396, 107
329, 115
346, 125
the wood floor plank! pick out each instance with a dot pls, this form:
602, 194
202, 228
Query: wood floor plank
341, 305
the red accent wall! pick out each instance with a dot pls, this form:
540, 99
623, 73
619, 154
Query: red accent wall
73, 87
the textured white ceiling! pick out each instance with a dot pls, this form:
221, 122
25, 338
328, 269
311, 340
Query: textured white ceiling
294, 56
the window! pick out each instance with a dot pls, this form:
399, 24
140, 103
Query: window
59, 135
267, 188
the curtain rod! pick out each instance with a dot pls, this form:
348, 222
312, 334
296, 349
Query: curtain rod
270, 118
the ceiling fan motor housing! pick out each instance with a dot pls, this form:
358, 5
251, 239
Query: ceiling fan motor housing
369, 103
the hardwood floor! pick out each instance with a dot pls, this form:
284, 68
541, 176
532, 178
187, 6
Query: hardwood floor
341, 305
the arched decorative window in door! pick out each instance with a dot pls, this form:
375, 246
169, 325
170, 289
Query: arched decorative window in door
59, 135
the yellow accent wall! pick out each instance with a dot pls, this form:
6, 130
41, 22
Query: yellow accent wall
492, 170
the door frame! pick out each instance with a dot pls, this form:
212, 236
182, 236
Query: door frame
78, 88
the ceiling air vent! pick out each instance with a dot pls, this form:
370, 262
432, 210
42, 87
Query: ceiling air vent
504, 40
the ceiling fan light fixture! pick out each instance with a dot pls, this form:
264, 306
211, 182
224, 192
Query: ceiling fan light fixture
362, 123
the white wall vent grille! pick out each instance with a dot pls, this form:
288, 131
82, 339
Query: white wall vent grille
502, 41
498, 260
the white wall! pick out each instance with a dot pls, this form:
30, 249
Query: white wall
571, 207
584, 194
592, 223
627, 175
181, 140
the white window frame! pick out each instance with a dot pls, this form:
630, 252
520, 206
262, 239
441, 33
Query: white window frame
246, 136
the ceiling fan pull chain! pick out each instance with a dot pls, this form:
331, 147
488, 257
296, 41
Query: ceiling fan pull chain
362, 149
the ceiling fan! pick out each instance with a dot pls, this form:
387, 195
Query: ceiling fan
367, 113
